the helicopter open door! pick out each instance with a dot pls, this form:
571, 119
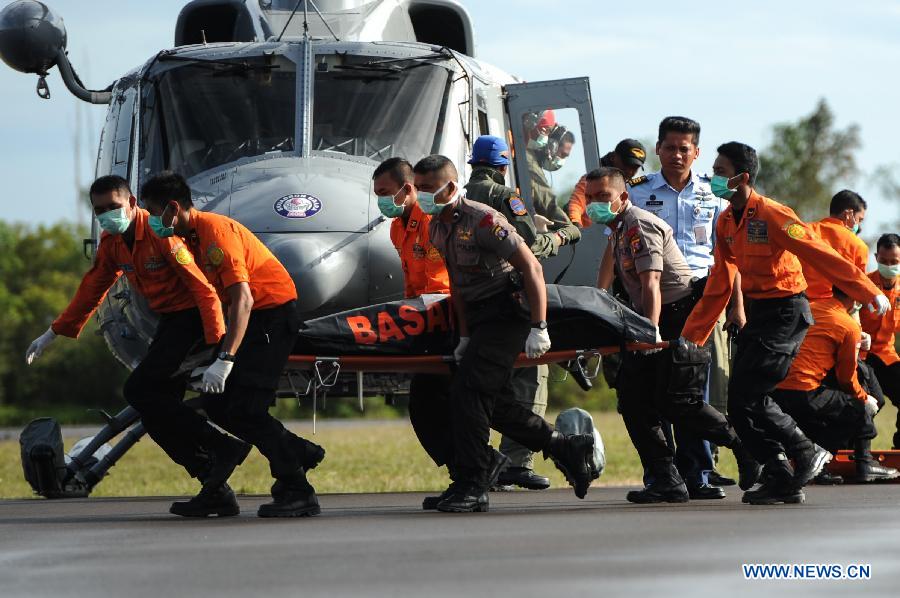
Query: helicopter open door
555, 144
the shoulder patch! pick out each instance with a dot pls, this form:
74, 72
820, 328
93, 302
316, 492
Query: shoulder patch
500, 232
795, 230
517, 206
183, 256
640, 180
215, 255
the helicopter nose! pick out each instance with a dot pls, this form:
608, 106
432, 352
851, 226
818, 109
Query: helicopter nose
329, 269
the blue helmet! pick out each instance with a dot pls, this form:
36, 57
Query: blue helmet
490, 150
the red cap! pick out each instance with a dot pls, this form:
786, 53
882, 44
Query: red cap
548, 119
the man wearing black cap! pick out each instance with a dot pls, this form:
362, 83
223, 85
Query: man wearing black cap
629, 157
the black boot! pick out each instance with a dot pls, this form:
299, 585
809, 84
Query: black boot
523, 477
498, 462
717, 479
748, 468
667, 486
464, 497
867, 468
778, 485
219, 500
809, 458
826, 478
292, 497
572, 455
224, 457
309, 453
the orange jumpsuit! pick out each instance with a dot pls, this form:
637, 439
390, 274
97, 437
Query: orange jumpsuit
231, 254
883, 328
577, 206
764, 247
423, 267
830, 343
162, 270
842, 240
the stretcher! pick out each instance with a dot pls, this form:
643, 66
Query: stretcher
843, 465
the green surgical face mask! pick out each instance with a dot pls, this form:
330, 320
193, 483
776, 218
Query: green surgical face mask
158, 228
889, 272
600, 212
115, 222
539, 143
387, 206
719, 186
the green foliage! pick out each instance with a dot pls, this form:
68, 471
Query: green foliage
40, 268
564, 392
808, 161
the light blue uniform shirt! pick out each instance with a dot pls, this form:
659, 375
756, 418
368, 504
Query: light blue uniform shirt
692, 214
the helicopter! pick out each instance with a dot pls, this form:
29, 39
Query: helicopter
277, 113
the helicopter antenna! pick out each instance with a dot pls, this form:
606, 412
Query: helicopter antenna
306, 4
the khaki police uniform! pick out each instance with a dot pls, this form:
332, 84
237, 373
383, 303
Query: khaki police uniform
475, 245
669, 383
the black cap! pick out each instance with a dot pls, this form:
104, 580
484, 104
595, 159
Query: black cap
631, 152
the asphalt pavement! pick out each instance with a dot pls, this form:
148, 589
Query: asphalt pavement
529, 544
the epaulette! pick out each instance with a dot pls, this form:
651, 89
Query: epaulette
640, 180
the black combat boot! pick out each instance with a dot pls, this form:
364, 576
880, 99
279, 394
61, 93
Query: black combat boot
748, 468
809, 458
778, 485
667, 486
523, 477
867, 468
219, 500
572, 455
826, 478
717, 479
225, 455
498, 462
465, 497
309, 453
292, 496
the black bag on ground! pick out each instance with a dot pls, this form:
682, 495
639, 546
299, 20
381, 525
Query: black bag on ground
43, 458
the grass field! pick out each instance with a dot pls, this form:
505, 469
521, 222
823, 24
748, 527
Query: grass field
362, 457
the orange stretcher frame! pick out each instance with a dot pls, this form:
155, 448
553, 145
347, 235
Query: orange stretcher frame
844, 466
440, 364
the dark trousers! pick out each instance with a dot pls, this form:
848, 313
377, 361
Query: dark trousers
429, 414
829, 417
889, 378
766, 347
243, 409
668, 385
481, 395
151, 388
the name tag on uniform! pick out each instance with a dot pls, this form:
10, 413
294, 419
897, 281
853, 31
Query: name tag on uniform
757, 231
700, 235
654, 202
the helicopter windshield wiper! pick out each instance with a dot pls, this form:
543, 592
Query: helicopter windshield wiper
389, 66
243, 65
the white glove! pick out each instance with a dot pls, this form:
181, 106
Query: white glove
871, 405
38, 345
537, 344
541, 223
657, 341
215, 375
880, 305
865, 342
460, 349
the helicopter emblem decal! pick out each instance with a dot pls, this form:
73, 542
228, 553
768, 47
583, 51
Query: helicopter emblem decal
298, 205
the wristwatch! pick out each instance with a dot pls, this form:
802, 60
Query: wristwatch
542, 325
226, 356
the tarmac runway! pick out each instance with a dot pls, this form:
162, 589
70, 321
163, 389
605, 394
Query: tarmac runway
529, 544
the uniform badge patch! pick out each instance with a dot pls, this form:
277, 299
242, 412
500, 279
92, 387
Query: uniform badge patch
638, 180
636, 243
433, 254
517, 206
464, 234
183, 256
757, 231
500, 232
215, 255
795, 230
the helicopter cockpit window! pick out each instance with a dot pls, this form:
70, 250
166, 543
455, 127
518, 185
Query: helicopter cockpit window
378, 108
205, 114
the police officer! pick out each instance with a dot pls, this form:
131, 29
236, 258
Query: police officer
683, 199
628, 156
485, 257
670, 382
836, 413
262, 329
487, 185
165, 273
763, 240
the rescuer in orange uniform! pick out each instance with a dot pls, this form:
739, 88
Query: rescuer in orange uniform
762, 240
262, 327
834, 414
882, 356
164, 272
839, 230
